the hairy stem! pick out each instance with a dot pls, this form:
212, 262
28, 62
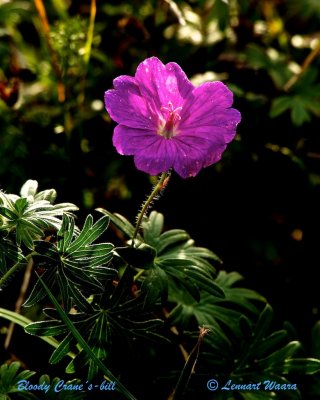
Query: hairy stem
159, 186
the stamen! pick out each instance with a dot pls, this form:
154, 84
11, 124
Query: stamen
173, 112
173, 116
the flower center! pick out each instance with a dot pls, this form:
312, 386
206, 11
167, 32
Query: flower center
168, 120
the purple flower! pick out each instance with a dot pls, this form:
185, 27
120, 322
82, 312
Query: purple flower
166, 122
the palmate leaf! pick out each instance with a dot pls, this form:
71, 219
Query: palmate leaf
30, 215
56, 327
78, 336
180, 259
257, 357
220, 313
99, 327
300, 108
245, 298
11, 385
74, 263
9, 378
104, 327
303, 101
173, 253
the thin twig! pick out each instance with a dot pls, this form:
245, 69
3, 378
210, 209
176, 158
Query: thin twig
175, 331
189, 367
176, 11
293, 80
20, 301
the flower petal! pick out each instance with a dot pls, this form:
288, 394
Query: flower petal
129, 141
126, 106
157, 157
161, 84
222, 128
195, 153
209, 105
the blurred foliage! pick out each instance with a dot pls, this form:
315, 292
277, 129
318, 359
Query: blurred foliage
258, 208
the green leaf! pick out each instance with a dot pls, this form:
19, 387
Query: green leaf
9, 251
280, 105
204, 282
243, 297
7, 213
152, 228
23, 322
84, 345
170, 238
155, 286
29, 189
299, 113
46, 328
38, 292
270, 343
120, 222
215, 311
279, 356
62, 350
75, 263
140, 257
308, 366
89, 233
70, 295
9, 378
49, 195
29, 216
263, 325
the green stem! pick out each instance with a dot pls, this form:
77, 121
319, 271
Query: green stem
137, 276
13, 269
155, 191
88, 45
